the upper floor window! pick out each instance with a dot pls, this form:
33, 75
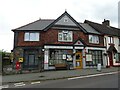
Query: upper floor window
66, 36
31, 36
110, 39
93, 39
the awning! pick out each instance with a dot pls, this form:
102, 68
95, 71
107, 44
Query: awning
112, 49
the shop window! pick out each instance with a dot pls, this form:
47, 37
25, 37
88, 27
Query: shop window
59, 57
65, 36
93, 39
96, 58
31, 36
117, 57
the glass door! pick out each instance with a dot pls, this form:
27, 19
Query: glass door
78, 60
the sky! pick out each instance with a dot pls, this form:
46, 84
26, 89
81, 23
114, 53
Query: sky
16, 13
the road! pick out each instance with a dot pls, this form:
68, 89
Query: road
104, 81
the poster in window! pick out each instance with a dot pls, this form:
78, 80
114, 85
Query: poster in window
69, 58
64, 56
88, 57
78, 64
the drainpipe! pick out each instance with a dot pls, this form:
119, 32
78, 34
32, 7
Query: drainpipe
106, 54
74, 51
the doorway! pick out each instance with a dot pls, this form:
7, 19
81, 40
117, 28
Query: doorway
78, 61
30, 59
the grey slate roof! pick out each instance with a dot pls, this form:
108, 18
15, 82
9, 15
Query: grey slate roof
37, 25
43, 24
88, 28
108, 30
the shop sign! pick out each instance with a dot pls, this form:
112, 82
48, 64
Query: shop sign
20, 59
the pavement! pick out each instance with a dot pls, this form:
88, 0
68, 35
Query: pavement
53, 75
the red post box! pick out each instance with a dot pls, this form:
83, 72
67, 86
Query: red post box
17, 65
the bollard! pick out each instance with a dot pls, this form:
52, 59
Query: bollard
99, 67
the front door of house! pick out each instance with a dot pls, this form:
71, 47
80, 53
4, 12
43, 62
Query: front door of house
30, 59
110, 59
78, 60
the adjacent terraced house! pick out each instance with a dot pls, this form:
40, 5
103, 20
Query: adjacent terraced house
111, 41
63, 42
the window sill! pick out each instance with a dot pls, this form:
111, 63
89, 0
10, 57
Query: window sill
111, 44
31, 41
65, 41
94, 43
117, 61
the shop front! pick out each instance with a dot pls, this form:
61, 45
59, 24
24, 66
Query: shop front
75, 57
63, 56
95, 56
58, 57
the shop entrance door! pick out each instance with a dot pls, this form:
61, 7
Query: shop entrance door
78, 60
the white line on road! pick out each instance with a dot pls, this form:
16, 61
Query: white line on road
19, 84
35, 82
92, 75
4, 86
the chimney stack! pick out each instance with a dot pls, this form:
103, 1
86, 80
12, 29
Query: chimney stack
106, 22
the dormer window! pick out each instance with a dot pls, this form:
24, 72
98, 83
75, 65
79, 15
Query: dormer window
93, 39
65, 36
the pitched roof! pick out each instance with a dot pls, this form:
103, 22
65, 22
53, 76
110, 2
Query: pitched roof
88, 28
40, 24
107, 30
112, 48
65, 13
45, 24
81, 40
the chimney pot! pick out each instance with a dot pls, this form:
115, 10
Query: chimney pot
106, 22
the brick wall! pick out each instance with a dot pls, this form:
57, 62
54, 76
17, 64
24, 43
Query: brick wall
21, 41
51, 37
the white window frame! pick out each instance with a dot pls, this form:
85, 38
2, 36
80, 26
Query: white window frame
31, 36
110, 39
62, 33
94, 39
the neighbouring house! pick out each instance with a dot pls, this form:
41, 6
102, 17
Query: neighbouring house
111, 41
47, 44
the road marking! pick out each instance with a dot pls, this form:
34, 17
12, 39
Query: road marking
92, 75
35, 82
19, 84
4, 86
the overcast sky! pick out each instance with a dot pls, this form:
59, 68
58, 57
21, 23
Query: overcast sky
16, 13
